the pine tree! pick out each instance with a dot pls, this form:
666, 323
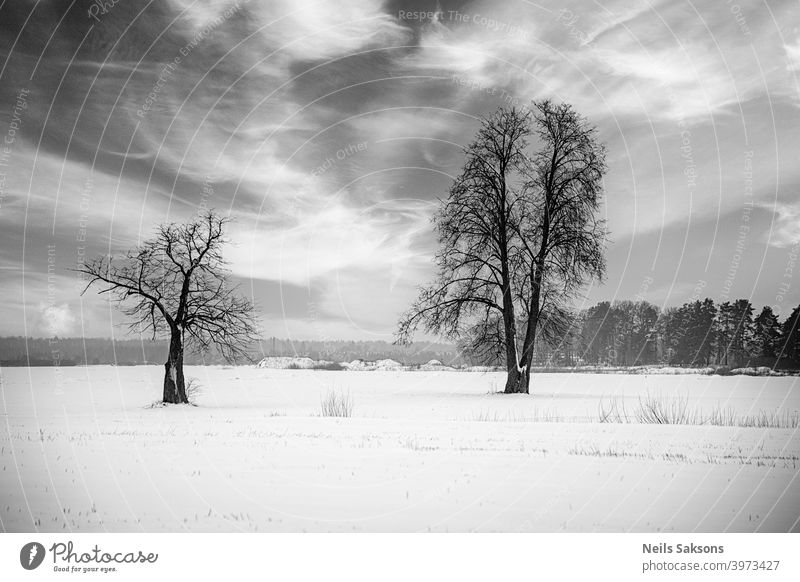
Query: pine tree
724, 332
742, 331
791, 336
766, 334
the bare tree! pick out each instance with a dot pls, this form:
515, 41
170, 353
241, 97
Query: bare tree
476, 228
176, 284
518, 235
562, 239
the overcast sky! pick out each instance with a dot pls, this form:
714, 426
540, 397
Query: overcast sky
329, 130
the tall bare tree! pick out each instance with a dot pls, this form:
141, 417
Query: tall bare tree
176, 284
518, 235
476, 226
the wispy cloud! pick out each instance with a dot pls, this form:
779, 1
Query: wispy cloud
56, 320
785, 230
330, 238
793, 56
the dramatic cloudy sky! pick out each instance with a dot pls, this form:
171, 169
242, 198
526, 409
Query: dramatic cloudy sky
329, 130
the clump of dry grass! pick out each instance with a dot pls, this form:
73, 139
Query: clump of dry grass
665, 410
337, 403
612, 410
760, 419
674, 409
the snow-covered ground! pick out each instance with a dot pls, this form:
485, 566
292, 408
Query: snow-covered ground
80, 450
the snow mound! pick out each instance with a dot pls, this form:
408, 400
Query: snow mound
380, 365
759, 371
288, 363
649, 369
674, 370
435, 366
355, 365
388, 365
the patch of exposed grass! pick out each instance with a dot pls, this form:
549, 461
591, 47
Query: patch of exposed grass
516, 416
595, 451
337, 403
760, 419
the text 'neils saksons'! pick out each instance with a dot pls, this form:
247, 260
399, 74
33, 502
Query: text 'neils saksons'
663, 548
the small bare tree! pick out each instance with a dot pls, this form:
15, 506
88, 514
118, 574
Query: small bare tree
176, 284
518, 236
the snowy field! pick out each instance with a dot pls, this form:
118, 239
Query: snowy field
82, 450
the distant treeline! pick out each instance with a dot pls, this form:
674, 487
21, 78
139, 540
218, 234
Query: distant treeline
623, 333
22, 351
699, 333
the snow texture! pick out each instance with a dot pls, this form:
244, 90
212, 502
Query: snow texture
82, 450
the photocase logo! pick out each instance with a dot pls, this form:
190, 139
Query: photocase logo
31, 555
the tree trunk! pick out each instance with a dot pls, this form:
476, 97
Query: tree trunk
519, 373
512, 381
519, 377
174, 386
518, 381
